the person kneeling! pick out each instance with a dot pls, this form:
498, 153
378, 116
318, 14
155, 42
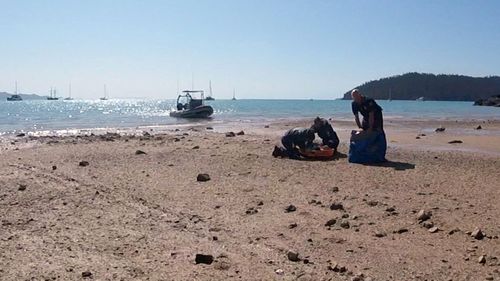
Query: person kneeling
293, 140
326, 133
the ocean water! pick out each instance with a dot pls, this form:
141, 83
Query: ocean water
47, 116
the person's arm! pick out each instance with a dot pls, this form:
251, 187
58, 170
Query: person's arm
371, 120
356, 117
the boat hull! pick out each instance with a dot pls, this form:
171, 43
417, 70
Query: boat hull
203, 111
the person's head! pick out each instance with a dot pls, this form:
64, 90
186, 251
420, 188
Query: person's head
356, 96
318, 122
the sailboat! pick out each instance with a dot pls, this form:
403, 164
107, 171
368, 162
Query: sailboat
209, 96
15, 97
105, 97
52, 94
69, 97
234, 97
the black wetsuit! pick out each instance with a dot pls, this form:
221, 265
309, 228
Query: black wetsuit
328, 135
301, 137
369, 105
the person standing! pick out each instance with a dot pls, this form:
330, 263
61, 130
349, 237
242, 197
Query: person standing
369, 109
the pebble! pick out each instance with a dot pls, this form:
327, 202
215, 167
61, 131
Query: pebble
423, 215
335, 189
428, 224
401, 230
279, 271
240, 133
20, 135
196, 147
54, 168
477, 234
345, 224
380, 234
230, 134
205, 259
203, 177
455, 141
336, 206
139, 152
331, 222
87, 274
479, 127
83, 163
293, 225
440, 129
433, 229
22, 187
290, 208
209, 128
482, 259
293, 256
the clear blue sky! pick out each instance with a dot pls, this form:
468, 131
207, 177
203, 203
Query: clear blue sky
263, 48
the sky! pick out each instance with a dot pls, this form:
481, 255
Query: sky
260, 48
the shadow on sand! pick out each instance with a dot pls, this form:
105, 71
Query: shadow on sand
398, 166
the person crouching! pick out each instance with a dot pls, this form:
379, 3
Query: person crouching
326, 133
293, 138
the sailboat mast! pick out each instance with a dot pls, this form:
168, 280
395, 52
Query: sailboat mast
70, 90
210, 87
16, 87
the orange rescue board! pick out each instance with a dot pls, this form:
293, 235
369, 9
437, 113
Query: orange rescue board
323, 152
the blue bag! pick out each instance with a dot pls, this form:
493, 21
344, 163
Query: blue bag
370, 148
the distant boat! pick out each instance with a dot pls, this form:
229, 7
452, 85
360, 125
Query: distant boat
15, 97
234, 96
52, 95
190, 105
69, 97
105, 97
420, 99
209, 96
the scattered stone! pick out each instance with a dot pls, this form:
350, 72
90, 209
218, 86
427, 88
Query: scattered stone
139, 152
230, 134
293, 225
240, 133
345, 216
336, 206
417, 137
54, 167
390, 209
21, 135
205, 259
22, 187
453, 231
335, 189
345, 224
440, 129
380, 234
203, 177
401, 230
266, 126
290, 208
482, 259
293, 256
196, 147
433, 229
477, 234
455, 141
83, 163
423, 215
177, 139
279, 271
260, 203
209, 128
372, 203
331, 222
428, 224
479, 127
251, 211
87, 274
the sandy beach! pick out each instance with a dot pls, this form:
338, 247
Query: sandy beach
128, 215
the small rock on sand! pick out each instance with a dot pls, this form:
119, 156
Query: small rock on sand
293, 256
345, 224
240, 133
423, 215
54, 168
433, 229
230, 134
482, 259
336, 206
203, 177
331, 222
196, 147
428, 224
380, 234
20, 135
335, 189
22, 187
440, 129
477, 234
290, 208
139, 152
455, 141
83, 163
87, 274
209, 128
479, 127
205, 259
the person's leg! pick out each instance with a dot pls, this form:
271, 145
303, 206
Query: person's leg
291, 151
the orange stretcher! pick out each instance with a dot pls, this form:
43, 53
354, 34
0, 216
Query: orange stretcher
320, 152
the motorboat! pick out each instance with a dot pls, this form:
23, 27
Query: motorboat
190, 105
14, 98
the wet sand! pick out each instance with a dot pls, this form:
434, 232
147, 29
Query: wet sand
129, 216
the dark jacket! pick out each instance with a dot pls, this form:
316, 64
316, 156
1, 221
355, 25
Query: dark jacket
369, 105
301, 137
327, 134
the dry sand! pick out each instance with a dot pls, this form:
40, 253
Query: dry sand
129, 216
